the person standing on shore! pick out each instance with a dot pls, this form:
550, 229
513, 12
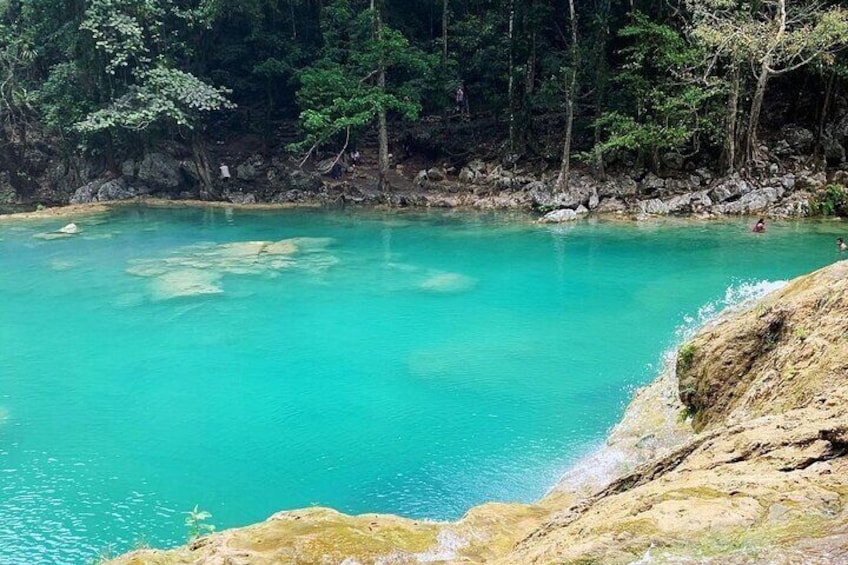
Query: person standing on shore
460, 100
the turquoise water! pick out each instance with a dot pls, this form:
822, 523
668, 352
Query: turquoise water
409, 363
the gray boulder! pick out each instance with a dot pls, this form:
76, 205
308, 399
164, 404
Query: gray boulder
86, 193
559, 216
679, 204
619, 186
117, 189
159, 171
674, 161
730, 189
798, 138
611, 206
654, 206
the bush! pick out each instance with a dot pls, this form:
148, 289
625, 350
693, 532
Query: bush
832, 200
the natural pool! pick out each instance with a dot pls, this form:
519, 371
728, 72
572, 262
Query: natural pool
413, 363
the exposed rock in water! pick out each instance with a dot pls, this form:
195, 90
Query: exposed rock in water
753, 468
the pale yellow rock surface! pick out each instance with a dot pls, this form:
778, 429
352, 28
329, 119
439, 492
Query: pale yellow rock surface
757, 473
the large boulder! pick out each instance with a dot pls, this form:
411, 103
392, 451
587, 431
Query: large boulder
160, 172
618, 186
117, 189
559, 216
654, 207
86, 193
730, 189
798, 138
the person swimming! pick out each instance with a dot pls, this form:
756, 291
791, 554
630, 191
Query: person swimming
760, 226
841, 245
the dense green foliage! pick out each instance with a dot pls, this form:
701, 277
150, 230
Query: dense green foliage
646, 77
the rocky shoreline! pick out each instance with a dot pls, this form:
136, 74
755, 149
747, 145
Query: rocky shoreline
781, 187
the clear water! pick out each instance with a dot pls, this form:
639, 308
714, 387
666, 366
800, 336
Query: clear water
413, 363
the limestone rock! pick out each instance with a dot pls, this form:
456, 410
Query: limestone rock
117, 189
559, 216
159, 171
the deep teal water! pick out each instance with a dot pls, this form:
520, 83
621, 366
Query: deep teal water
413, 363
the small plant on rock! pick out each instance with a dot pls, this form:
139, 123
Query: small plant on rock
196, 524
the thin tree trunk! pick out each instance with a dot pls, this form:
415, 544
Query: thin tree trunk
201, 163
382, 131
444, 33
752, 143
511, 87
731, 120
565, 166
818, 153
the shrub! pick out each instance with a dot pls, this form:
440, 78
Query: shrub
832, 200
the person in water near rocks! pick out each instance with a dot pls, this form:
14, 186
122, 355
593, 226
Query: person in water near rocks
760, 226
841, 245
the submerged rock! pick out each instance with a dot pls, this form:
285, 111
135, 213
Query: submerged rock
448, 283
198, 269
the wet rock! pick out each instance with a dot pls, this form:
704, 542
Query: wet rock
581, 210
159, 171
559, 216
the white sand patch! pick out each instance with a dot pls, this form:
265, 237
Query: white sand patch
448, 283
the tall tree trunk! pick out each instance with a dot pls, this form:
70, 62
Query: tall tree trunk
444, 34
731, 121
382, 130
204, 169
818, 153
565, 166
511, 84
601, 81
752, 149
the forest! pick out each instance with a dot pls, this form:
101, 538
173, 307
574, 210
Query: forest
564, 81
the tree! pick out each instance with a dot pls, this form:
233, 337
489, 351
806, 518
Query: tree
774, 37
351, 85
138, 42
663, 103
570, 95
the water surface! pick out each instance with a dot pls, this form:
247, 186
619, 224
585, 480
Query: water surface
410, 363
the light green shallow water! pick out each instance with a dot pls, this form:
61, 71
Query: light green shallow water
409, 363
